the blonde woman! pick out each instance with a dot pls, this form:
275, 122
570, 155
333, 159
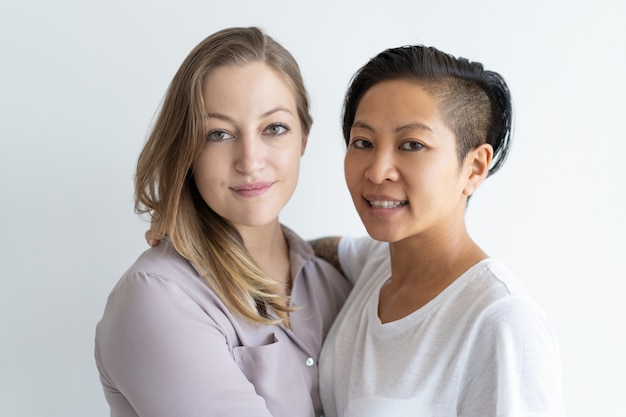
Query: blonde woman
227, 315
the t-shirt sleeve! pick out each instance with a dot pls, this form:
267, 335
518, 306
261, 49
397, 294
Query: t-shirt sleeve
160, 355
354, 252
513, 364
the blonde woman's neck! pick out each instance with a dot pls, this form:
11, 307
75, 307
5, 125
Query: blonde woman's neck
269, 249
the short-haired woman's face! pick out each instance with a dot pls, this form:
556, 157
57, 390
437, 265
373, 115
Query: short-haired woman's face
249, 167
401, 165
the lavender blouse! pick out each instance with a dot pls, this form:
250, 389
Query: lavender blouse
168, 347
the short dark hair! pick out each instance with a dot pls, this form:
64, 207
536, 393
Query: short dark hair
475, 103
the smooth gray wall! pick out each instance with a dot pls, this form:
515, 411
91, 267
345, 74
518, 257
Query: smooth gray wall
81, 80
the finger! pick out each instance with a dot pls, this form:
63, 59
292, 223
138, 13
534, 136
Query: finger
151, 241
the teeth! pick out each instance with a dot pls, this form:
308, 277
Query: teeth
386, 204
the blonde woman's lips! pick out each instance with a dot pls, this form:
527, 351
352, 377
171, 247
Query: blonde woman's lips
253, 189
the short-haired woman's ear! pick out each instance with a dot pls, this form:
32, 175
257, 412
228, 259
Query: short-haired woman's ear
479, 160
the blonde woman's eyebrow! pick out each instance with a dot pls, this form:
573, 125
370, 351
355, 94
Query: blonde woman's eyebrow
276, 110
226, 118
219, 116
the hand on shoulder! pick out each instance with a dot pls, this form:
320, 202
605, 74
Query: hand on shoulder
150, 239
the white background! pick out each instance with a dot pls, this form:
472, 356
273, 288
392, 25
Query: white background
81, 80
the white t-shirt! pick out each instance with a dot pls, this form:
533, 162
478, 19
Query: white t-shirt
480, 348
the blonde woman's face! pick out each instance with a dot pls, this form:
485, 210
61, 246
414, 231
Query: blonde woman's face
249, 167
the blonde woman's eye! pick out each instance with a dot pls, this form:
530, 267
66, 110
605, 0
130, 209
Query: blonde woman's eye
276, 129
218, 135
412, 145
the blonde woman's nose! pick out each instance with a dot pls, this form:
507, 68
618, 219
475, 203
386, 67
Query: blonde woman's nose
251, 154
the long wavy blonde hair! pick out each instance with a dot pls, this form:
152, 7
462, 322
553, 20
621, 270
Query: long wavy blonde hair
164, 184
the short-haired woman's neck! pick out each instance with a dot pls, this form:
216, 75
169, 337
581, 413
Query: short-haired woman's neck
439, 254
420, 270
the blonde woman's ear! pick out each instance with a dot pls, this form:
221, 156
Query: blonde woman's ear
303, 146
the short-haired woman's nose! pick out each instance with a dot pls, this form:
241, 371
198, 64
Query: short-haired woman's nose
381, 167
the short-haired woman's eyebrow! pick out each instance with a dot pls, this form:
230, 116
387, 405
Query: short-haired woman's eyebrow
414, 125
408, 126
361, 125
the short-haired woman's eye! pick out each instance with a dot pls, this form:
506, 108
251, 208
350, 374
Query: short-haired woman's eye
411, 145
361, 144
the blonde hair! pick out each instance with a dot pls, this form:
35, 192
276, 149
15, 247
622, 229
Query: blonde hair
164, 184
